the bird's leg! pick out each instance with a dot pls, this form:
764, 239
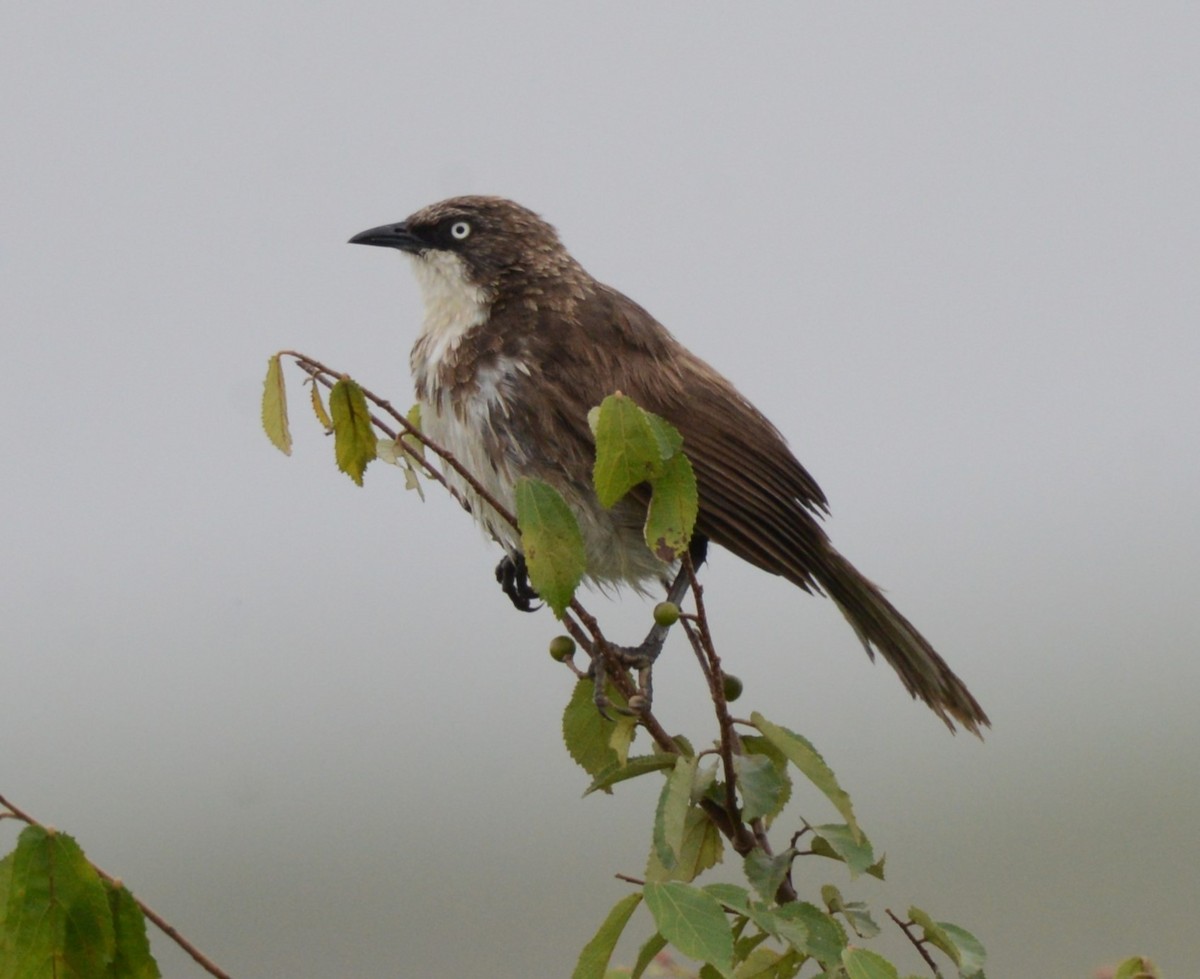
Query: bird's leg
641, 658
513, 576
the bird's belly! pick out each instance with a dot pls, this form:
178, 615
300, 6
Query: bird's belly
613, 538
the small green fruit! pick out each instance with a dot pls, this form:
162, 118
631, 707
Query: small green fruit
732, 687
666, 613
561, 648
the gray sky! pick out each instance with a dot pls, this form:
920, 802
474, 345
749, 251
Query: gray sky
950, 249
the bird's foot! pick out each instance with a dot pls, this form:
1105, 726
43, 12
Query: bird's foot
513, 576
639, 702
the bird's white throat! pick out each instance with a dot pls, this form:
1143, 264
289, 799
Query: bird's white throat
453, 306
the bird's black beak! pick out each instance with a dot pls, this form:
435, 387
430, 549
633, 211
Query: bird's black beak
390, 236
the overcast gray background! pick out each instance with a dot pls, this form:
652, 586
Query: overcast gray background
950, 249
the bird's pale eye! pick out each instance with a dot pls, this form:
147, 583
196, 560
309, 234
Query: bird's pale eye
460, 230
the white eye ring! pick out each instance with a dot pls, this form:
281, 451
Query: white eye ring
460, 230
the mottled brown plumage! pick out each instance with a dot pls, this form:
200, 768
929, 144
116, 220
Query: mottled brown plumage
519, 342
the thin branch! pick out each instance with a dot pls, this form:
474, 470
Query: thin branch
165, 926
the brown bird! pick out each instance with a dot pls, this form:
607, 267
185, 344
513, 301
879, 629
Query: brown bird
519, 342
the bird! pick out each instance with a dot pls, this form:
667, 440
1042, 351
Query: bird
519, 341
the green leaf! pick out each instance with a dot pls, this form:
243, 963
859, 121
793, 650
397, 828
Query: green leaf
654, 944
862, 963
837, 841
702, 848
627, 450
593, 960
823, 938
935, 934
587, 733
274, 407
622, 736
733, 896
755, 744
616, 772
800, 752
971, 951
673, 804
1136, 968
674, 503
354, 442
5, 886
133, 959
760, 786
551, 542
693, 922
767, 873
855, 912
57, 920
665, 434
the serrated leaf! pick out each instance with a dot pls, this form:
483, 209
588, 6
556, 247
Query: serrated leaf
132, 959
862, 963
354, 441
318, 407
617, 771
935, 934
627, 451
593, 960
57, 918
800, 752
586, 732
759, 785
702, 848
274, 407
665, 434
971, 952
766, 873
693, 922
823, 938
857, 853
674, 503
756, 744
673, 803
551, 541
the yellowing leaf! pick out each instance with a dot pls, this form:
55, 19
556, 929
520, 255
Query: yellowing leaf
354, 439
551, 542
674, 503
58, 920
318, 407
274, 408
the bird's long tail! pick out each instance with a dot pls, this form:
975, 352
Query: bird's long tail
882, 628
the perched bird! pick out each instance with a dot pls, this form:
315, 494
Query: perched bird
519, 342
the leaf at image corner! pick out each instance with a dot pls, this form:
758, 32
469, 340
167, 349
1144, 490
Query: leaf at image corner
354, 441
132, 959
593, 960
274, 407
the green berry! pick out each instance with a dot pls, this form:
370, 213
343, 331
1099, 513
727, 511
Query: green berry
732, 687
666, 613
561, 648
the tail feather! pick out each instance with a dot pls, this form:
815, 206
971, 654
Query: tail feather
880, 627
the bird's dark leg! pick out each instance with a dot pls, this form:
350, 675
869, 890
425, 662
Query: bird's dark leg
513, 576
642, 657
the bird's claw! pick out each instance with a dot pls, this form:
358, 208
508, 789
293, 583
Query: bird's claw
513, 576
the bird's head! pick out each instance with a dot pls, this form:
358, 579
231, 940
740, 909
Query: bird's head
481, 243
